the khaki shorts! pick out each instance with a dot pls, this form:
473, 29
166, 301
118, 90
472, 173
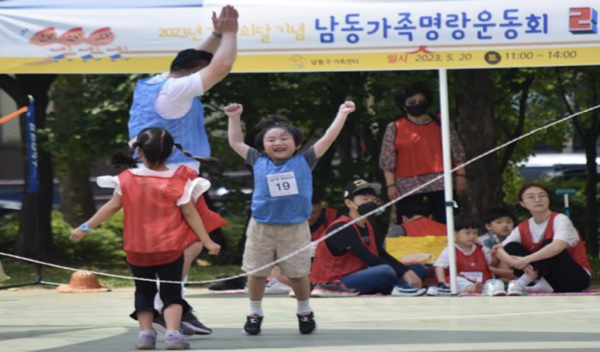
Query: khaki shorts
266, 243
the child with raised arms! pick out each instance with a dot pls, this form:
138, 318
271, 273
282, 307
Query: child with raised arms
281, 206
160, 222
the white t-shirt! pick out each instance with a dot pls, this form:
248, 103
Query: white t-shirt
193, 188
563, 230
176, 95
444, 258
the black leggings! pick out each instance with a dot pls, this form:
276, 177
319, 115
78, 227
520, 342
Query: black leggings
437, 204
561, 271
145, 291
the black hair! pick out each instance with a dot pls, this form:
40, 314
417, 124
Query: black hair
267, 124
157, 145
530, 185
190, 59
498, 213
420, 208
465, 222
405, 92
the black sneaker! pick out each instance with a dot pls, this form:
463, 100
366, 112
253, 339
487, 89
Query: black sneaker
159, 324
252, 326
307, 323
190, 321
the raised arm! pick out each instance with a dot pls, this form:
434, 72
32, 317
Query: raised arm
334, 130
222, 62
104, 213
234, 130
211, 44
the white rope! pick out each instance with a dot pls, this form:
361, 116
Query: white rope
307, 247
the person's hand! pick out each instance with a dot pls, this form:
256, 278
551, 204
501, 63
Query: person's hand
213, 248
531, 272
228, 20
234, 110
347, 108
519, 263
393, 193
494, 250
460, 184
413, 279
216, 22
77, 235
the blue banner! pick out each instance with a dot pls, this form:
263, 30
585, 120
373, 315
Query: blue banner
32, 151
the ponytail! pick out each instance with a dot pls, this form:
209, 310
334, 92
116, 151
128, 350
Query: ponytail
202, 159
124, 157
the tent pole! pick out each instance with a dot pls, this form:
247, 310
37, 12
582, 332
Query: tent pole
443, 78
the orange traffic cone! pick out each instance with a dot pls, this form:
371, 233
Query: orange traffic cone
82, 282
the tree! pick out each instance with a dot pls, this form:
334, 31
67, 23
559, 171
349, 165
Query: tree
35, 235
89, 122
579, 90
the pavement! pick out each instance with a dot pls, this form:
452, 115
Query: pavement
49, 321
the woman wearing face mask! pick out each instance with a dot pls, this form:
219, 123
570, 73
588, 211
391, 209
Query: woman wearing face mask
411, 154
355, 255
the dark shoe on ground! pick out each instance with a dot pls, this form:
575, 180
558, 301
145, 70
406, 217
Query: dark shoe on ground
253, 323
190, 321
307, 323
234, 284
159, 324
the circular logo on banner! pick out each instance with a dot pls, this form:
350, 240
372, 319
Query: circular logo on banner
493, 58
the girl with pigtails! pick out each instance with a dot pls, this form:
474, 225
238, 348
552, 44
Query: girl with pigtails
161, 221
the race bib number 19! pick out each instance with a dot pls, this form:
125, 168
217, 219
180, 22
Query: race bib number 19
283, 184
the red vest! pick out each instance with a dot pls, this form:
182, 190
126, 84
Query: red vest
418, 148
472, 267
328, 267
578, 252
154, 229
424, 227
330, 215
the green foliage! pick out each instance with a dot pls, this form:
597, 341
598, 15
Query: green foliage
90, 117
9, 229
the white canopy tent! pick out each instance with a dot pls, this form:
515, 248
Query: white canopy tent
45, 36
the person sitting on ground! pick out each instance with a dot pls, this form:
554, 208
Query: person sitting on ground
499, 222
545, 249
355, 255
417, 221
472, 263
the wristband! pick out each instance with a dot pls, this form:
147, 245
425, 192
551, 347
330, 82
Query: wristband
217, 34
85, 227
388, 186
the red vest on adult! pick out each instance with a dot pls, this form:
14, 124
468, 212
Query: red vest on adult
578, 252
330, 215
154, 229
418, 148
328, 267
424, 227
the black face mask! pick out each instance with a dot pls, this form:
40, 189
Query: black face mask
366, 207
417, 110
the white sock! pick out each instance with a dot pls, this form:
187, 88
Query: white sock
541, 286
256, 308
185, 279
304, 308
524, 280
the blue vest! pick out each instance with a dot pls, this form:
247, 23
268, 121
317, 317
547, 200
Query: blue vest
285, 209
188, 131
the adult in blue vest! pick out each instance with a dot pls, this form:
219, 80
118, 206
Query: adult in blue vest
170, 101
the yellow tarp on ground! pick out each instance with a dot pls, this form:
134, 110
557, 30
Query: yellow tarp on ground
411, 250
